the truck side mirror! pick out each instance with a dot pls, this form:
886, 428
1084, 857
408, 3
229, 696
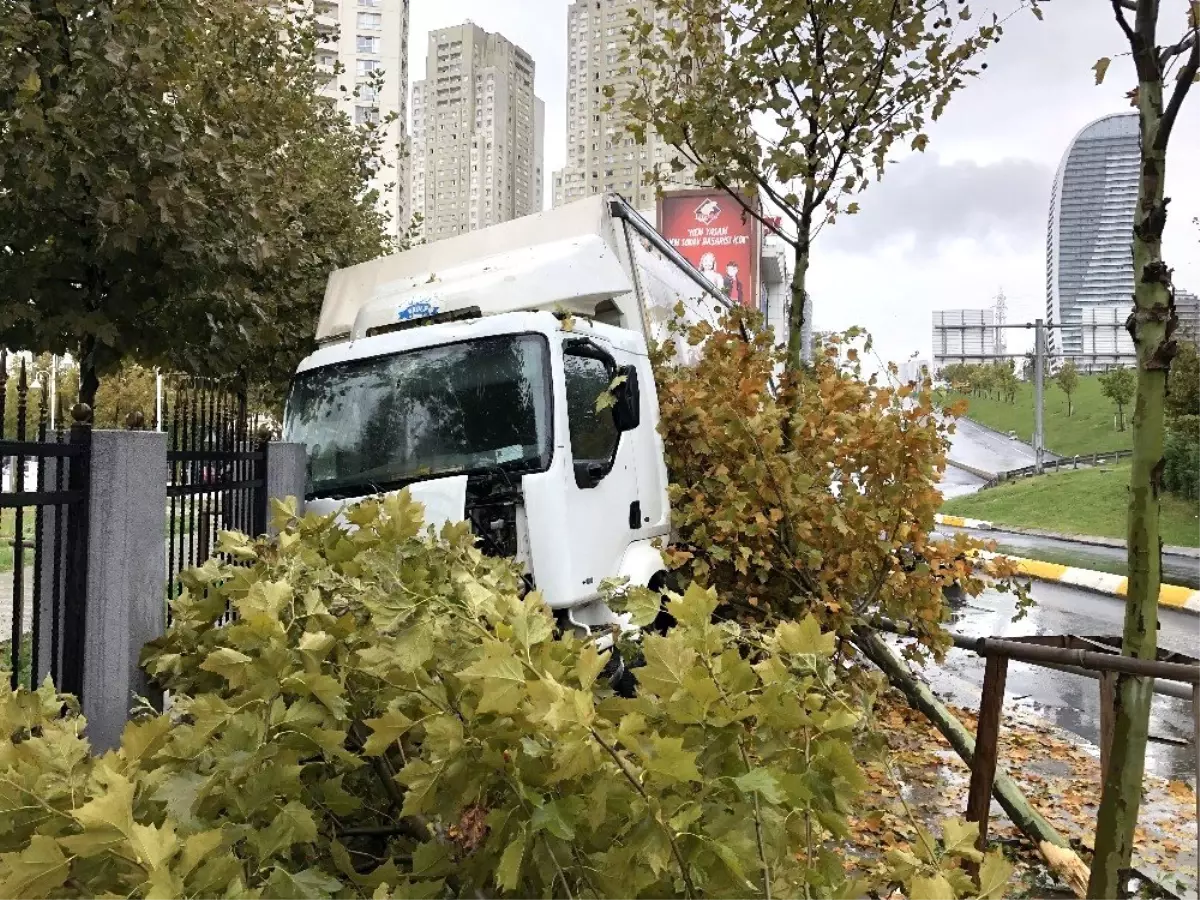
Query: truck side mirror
627, 411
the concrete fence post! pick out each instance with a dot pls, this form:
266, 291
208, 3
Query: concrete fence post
286, 474
127, 573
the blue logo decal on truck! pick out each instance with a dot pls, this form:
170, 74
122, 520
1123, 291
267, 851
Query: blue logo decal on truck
417, 309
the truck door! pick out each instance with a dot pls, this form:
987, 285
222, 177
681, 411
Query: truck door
602, 503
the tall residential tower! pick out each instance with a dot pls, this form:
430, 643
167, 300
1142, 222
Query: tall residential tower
601, 155
372, 36
477, 133
1089, 261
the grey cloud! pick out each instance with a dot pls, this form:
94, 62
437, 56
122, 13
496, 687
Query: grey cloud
922, 203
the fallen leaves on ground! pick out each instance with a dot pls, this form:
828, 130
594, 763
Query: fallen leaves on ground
1058, 775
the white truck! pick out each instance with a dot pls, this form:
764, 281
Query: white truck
467, 371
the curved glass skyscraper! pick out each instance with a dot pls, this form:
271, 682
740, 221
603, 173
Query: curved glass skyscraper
1089, 261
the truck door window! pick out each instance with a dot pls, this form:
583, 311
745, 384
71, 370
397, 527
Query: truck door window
594, 436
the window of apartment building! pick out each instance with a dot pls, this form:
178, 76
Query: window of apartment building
367, 66
367, 43
374, 3
365, 114
369, 92
368, 21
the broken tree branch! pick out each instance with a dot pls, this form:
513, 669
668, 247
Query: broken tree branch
1053, 846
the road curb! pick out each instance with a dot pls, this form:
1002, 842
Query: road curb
1173, 595
961, 522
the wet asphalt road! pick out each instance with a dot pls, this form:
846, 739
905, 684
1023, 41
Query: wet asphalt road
1071, 701
980, 448
956, 483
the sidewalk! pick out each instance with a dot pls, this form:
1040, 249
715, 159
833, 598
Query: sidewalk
6, 603
1057, 772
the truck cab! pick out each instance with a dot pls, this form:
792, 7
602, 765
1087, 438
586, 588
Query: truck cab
475, 386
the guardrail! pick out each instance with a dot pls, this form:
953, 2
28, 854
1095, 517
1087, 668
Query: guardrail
1057, 465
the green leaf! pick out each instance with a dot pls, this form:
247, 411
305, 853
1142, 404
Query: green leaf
959, 837
994, 874
668, 661
641, 604
670, 761
198, 847
804, 638
294, 824
153, 846
590, 664
935, 887
508, 872
385, 731
502, 676
230, 664
695, 607
37, 871
532, 623
308, 884
551, 817
112, 810
761, 782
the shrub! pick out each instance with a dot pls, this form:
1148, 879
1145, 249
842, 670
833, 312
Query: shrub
818, 499
1181, 458
387, 715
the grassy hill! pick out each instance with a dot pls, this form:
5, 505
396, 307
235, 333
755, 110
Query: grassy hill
1086, 501
1090, 428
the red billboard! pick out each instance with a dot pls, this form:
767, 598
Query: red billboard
713, 232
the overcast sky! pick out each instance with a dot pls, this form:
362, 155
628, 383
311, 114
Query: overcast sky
950, 227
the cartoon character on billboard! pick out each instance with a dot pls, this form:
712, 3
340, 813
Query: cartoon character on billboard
733, 284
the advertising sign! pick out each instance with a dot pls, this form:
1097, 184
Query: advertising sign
715, 234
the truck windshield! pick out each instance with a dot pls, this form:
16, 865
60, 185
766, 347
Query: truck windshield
375, 424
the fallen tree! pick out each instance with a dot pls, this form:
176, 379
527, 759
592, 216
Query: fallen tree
1053, 847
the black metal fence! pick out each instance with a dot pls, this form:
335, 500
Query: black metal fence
43, 533
216, 465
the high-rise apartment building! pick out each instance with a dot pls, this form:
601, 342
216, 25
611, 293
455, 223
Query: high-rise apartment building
1089, 259
372, 35
477, 133
601, 154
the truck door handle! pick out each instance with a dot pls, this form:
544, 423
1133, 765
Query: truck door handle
595, 472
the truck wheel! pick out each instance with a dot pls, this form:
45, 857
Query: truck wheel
661, 583
619, 673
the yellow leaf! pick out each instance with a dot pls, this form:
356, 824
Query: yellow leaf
154, 846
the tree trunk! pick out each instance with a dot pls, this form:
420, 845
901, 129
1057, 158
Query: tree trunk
89, 377
1053, 846
1151, 325
795, 352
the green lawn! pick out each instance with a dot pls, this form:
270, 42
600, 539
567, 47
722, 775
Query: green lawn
1089, 429
26, 660
8, 529
1086, 501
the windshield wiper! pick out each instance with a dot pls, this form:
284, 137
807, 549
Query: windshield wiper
358, 486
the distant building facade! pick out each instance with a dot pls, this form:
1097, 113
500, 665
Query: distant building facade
478, 133
1089, 259
601, 155
369, 37
963, 336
